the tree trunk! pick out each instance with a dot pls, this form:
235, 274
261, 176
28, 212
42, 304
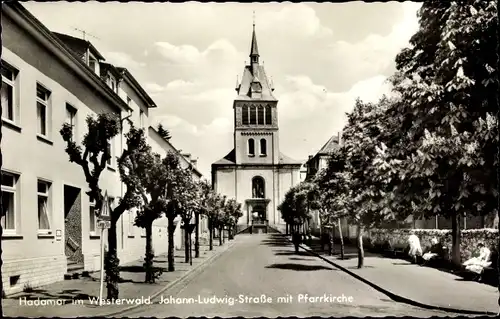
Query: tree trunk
331, 243
361, 253
286, 229
186, 240
221, 235
197, 236
498, 247
170, 255
341, 240
148, 259
211, 235
112, 263
455, 241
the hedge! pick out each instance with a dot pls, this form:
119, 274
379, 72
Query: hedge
469, 239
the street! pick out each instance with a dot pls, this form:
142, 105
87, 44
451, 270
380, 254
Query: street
262, 276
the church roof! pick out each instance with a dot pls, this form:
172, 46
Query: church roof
230, 159
246, 82
255, 73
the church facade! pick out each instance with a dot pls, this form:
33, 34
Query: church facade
255, 172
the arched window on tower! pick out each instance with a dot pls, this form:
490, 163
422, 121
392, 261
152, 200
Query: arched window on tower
263, 147
251, 147
269, 115
253, 114
260, 115
258, 190
244, 115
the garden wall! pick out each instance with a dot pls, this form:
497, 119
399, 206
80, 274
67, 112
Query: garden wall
468, 244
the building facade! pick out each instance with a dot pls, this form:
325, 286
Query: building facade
256, 173
49, 222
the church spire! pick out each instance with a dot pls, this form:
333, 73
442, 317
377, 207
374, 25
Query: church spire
254, 50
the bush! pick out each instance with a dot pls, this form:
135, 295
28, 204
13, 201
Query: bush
468, 242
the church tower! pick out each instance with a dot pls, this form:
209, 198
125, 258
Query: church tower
256, 139
255, 173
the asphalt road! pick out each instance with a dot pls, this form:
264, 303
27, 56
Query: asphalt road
262, 276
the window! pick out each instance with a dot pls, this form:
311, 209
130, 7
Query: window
109, 148
258, 190
129, 100
260, 115
112, 83
9, 76
43, 206
92, 63
141, 119
42, 109
131, 217
92, 216
251, 147
263, 147
9, 185
244, 115
71, 119
253, 115
269, 115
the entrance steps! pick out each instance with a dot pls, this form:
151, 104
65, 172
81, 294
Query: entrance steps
75, 270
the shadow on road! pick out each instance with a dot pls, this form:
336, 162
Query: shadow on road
294, 258
299, 267
292, 253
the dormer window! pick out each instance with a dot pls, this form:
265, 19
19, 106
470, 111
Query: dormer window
112, 83
256, 87
92, 63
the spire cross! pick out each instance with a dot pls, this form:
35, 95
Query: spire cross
254, 19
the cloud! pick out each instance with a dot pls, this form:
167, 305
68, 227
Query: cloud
153, 88
179, 85
296, 20
186, 54
124, 60
375, 53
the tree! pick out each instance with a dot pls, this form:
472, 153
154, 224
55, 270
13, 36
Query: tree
175, 187
152, 184
93, 161
164, 132
204, 193
187, 203
447, 81
214, 203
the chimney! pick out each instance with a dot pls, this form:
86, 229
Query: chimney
339, 137
187, 156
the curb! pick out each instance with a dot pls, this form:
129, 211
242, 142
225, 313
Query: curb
392, 295
193, 271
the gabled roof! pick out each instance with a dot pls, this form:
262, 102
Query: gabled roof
60, 50
135, 85
78, 45
330, 146
105, 67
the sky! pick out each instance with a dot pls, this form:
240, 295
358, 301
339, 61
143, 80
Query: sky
187, 56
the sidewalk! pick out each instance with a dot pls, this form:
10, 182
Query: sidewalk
421, 286
132, 287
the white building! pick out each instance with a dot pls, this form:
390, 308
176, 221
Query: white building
49, 224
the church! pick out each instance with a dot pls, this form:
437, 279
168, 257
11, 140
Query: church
255, 172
